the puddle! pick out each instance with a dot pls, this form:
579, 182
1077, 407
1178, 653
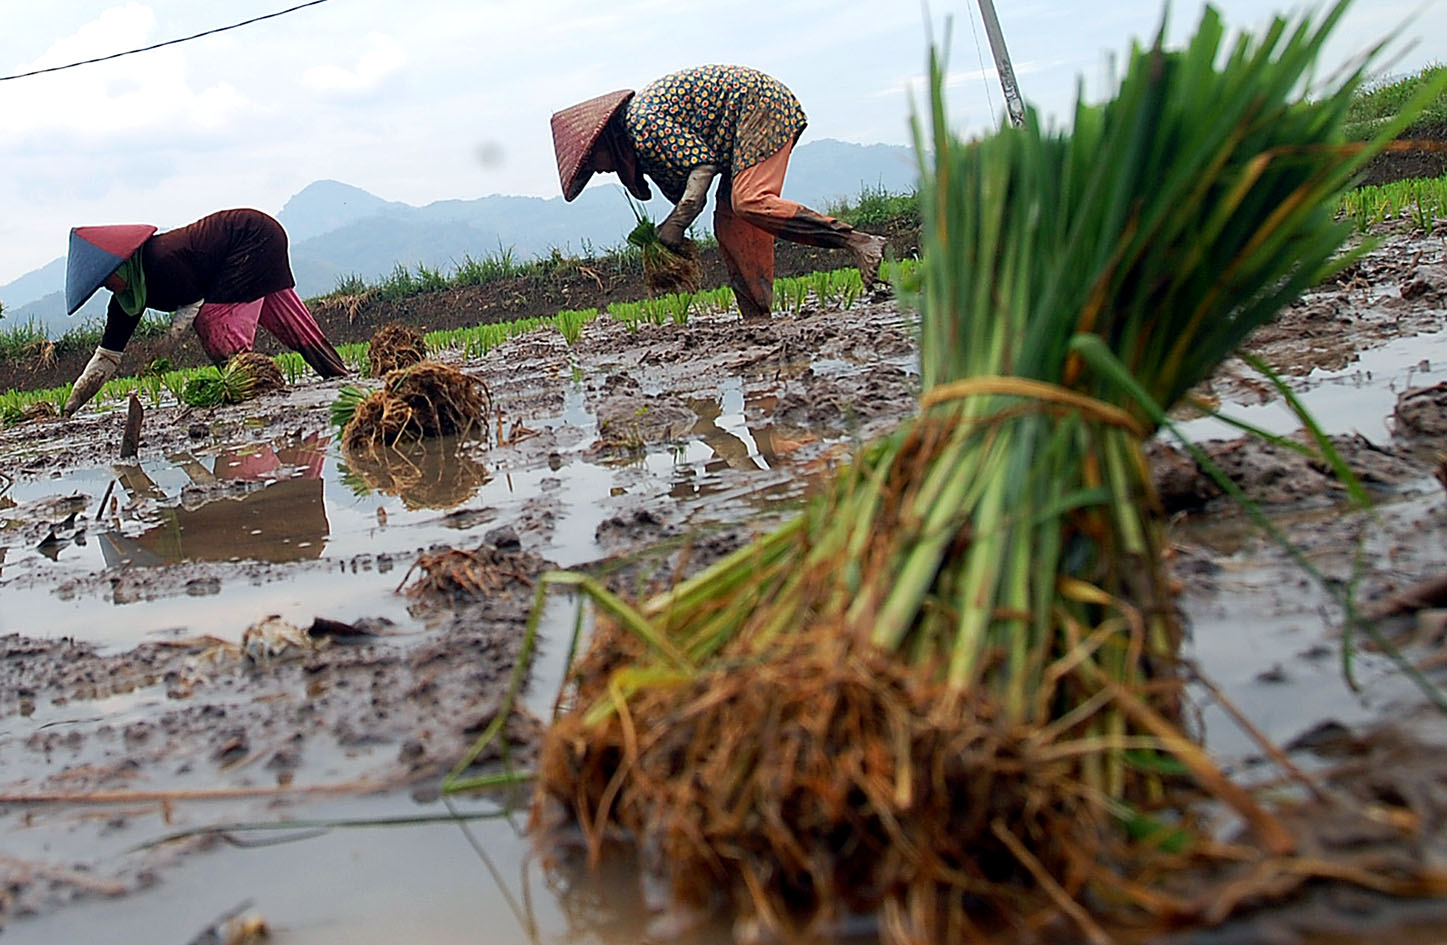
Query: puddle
1358, 399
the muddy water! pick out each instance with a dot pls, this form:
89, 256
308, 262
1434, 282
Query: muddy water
284, 525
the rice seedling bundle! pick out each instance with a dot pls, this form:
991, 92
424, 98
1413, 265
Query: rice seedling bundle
665, 270
428, 399
244, 376
950, 685
395, 345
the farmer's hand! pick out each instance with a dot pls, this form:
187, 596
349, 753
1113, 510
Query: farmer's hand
671, 233
101, 368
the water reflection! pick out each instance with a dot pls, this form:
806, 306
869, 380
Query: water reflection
425, 474
259, 502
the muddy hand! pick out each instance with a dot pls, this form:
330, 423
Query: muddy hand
868, 251
101, 368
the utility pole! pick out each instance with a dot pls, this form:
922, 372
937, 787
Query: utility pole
1013, 103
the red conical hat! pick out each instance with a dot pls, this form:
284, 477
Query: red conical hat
576, 130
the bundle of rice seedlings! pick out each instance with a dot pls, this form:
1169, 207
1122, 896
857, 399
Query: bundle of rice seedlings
428, 399
245, 375
395, 345
664, 270
949, 691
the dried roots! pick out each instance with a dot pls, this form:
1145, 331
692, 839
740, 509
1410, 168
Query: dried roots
395, 345
819, 782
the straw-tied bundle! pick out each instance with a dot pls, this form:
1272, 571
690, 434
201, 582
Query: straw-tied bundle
949, 688
665, 270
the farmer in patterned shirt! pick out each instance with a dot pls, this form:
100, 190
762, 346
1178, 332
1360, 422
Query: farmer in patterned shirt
684, 130
228, 272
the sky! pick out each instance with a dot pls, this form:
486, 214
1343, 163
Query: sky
431, 100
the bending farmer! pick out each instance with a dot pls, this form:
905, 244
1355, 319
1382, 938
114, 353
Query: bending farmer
684, 130
227, 272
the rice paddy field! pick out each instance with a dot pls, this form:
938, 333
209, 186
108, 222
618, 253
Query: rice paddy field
1084, 585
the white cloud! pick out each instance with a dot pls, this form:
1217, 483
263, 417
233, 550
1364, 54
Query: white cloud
141, 95
382, 59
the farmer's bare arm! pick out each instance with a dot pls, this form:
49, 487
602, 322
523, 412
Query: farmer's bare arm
690, 205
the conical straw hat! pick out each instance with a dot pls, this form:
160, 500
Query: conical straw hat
576, 130
95, 253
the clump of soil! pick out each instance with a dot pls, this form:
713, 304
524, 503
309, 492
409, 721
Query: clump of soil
426, 400
396, 345
456, 576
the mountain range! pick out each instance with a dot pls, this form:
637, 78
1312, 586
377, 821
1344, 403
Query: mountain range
339, 231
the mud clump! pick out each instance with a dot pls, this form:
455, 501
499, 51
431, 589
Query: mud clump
396, 345
426, 400
457, 576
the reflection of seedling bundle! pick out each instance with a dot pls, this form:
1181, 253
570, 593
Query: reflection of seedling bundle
664, 270
424, 474
245, 376
425, 400
395, 346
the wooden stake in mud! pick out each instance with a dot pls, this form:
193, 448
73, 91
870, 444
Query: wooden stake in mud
1013, 103
131, 441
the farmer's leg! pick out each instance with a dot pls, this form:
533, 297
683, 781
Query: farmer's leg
286, 316
756, 199
748, 254
227, 328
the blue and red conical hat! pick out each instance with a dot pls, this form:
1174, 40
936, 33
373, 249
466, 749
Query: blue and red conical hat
95, 253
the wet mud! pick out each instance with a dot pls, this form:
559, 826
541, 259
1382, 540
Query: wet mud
243, 623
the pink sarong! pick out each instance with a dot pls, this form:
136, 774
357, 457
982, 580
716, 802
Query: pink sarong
229, 328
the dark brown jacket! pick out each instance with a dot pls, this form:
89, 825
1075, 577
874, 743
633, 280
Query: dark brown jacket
227, 256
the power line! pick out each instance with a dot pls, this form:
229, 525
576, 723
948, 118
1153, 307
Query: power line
169, 42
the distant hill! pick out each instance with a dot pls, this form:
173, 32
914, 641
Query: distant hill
338, 230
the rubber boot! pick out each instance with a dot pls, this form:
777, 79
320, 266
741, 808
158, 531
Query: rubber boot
101, 368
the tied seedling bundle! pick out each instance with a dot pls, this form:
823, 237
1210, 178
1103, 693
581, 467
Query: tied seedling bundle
948, 692
422, 400
244, 376
665, 271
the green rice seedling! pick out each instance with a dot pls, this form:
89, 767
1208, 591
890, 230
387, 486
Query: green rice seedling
822, 285
212, 387
678, 305
629, 313
963, 655
851, 286
294, 367
664, 269
353, 355
570, 322
345, 406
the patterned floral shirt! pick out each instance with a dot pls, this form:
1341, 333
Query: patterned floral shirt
731, 117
